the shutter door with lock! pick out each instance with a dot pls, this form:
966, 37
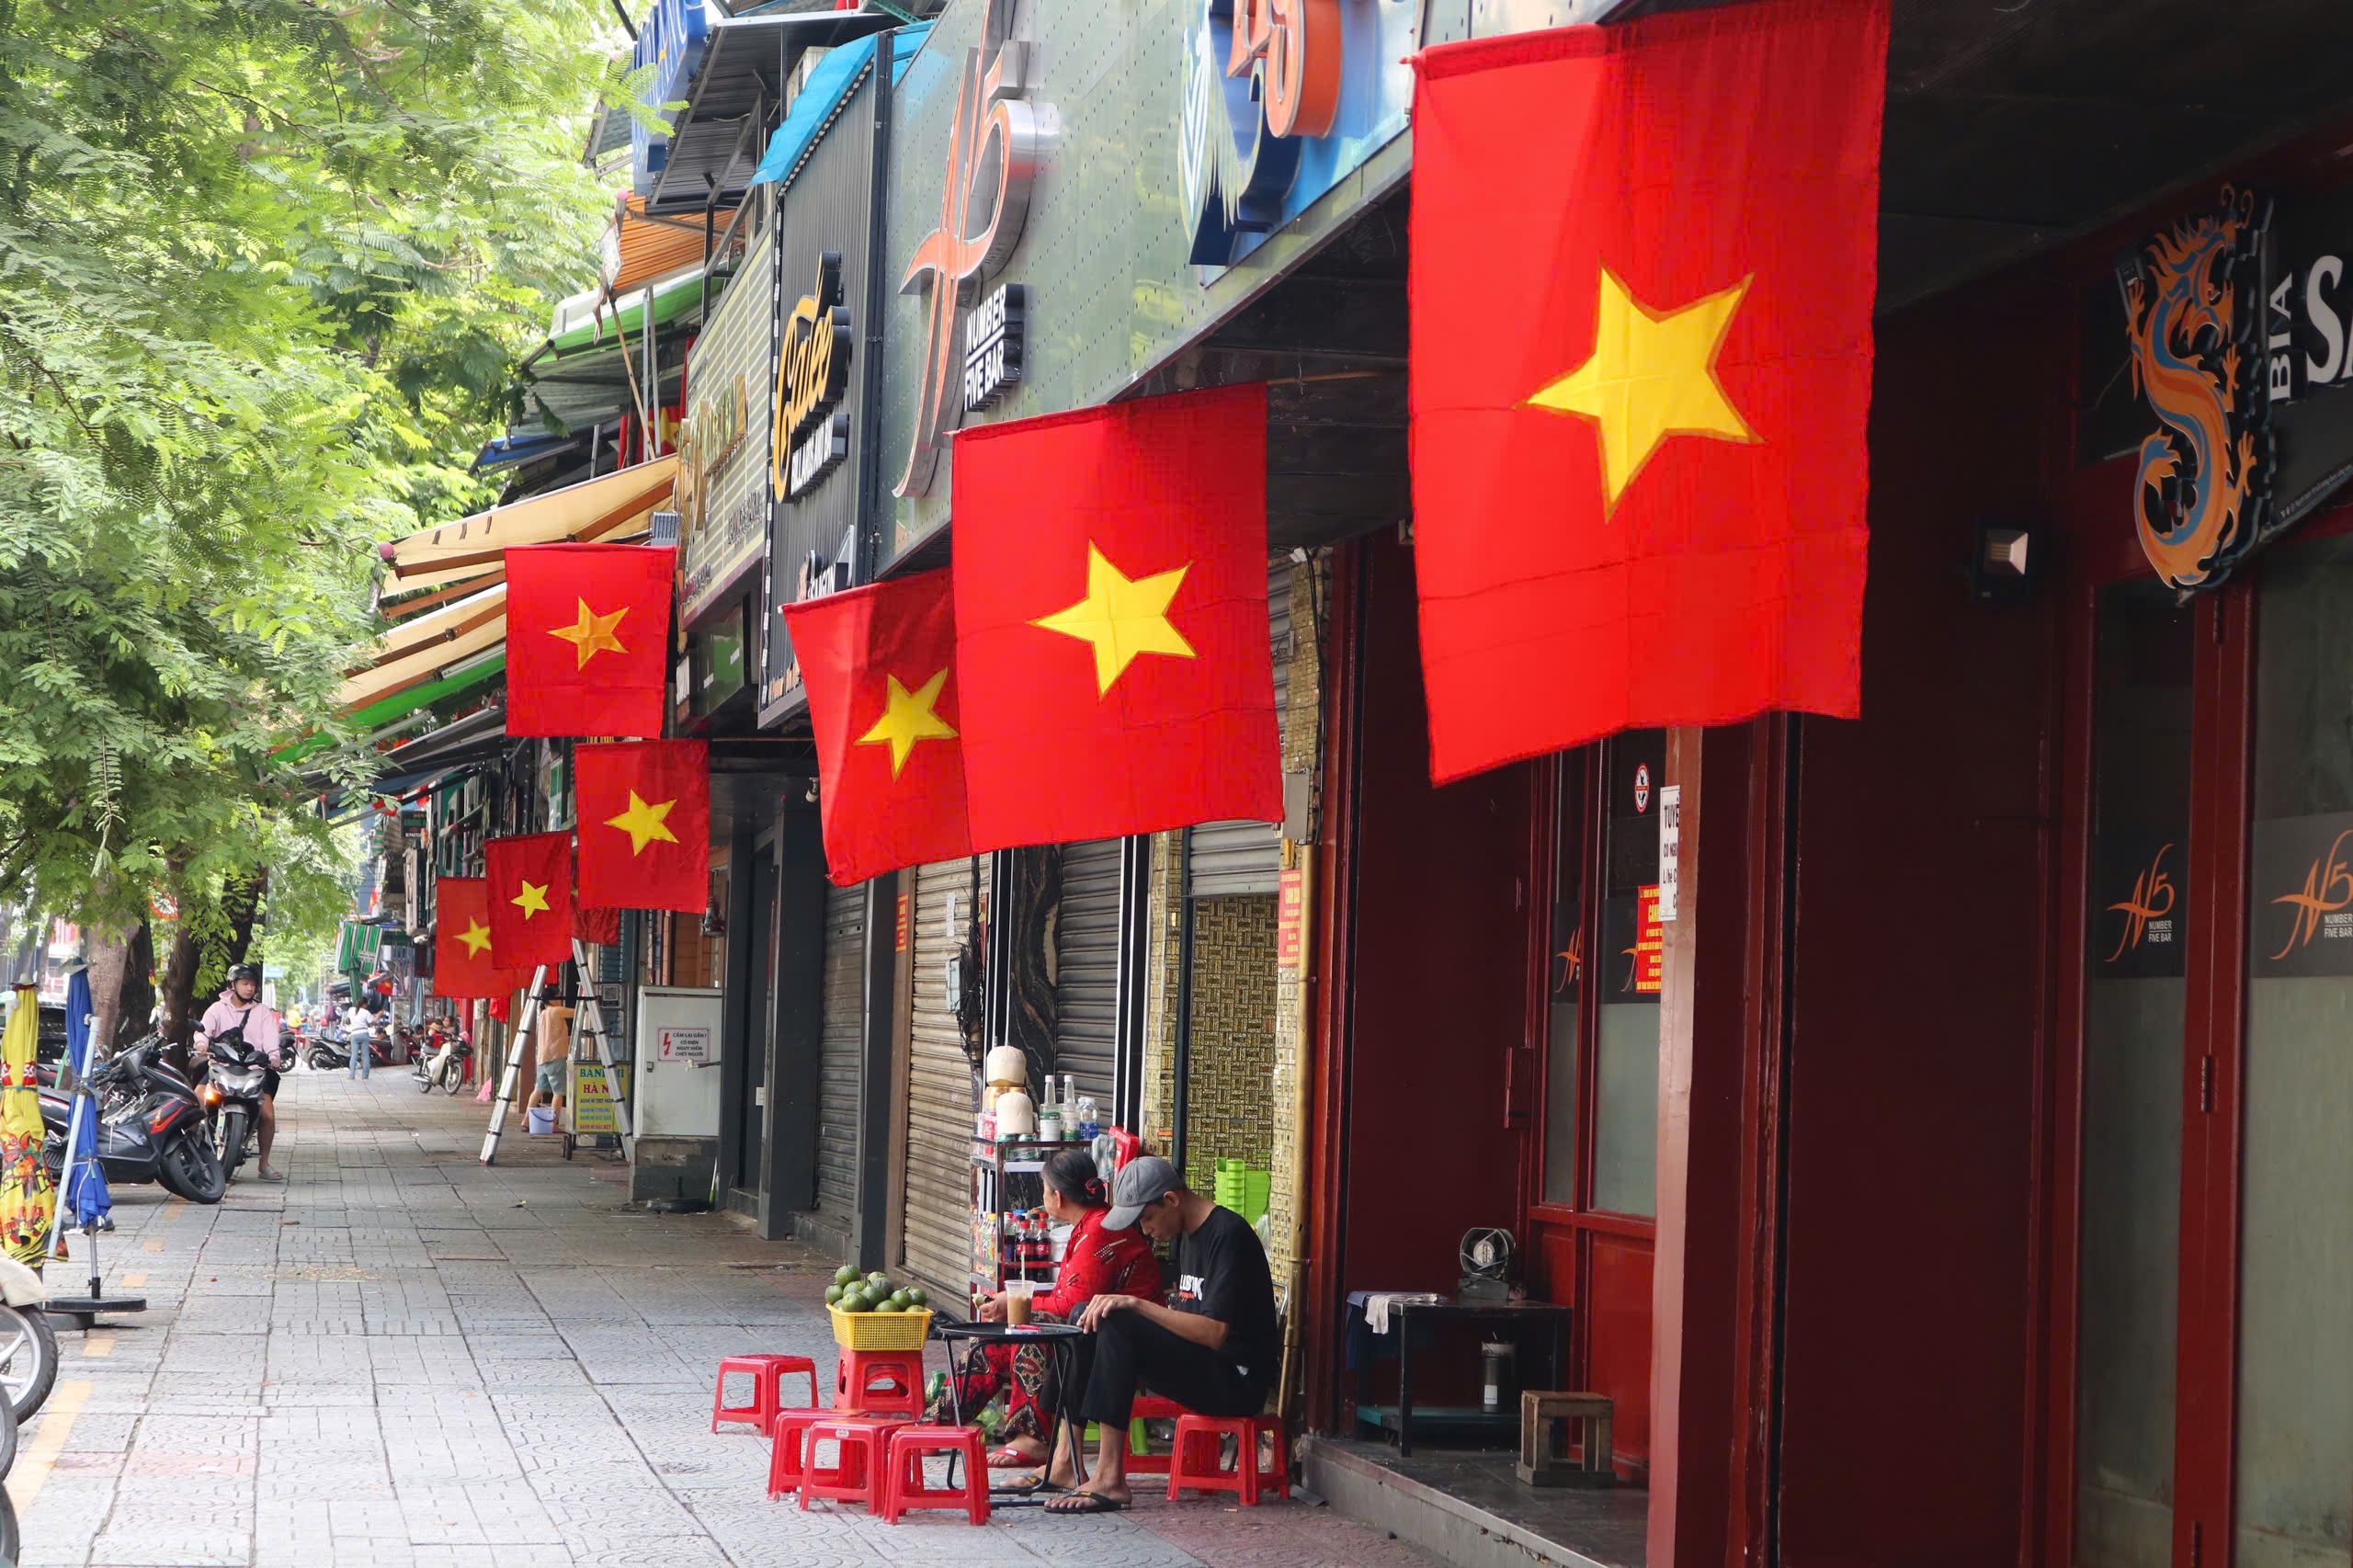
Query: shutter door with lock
1224, 857
840, 1052
939, 1212
1086, 968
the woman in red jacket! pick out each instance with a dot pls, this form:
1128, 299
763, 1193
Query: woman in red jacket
1096, 1262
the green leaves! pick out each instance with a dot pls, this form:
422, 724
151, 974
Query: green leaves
264, 266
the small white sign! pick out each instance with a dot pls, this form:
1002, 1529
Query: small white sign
1670, 847
684, 1045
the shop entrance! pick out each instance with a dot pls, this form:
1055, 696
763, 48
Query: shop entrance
2205, 1332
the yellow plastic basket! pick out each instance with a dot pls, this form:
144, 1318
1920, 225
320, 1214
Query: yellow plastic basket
881, 1331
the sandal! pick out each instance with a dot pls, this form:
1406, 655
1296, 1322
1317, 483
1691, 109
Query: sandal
1084, 1503
1030, 1486
1011, 1457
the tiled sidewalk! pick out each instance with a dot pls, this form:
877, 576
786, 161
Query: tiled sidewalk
402, 1357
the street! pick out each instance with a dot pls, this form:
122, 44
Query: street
404, 1359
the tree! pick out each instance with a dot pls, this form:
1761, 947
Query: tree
265, 267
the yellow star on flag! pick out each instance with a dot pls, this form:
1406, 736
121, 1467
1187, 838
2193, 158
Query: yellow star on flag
1122, 617
1651, 375
476, 936
908, 716
592, 634
642, 823
532, 900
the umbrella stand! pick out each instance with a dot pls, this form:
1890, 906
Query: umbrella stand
84, 1308
81, 1176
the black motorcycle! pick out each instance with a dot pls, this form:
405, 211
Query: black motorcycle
326, 1049
150, 1126
231, 1095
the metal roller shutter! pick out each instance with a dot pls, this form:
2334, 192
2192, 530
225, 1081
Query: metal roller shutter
939, 1212
840, 1052
1246, 857
1086, 968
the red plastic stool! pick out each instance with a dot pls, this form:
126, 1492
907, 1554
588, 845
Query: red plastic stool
788, 1441
902, 1483
855, 1475
879, 1383
1198, 1458
1150, 1408
768, 1374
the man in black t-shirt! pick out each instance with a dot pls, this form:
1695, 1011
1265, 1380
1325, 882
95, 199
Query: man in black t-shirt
1213, 1350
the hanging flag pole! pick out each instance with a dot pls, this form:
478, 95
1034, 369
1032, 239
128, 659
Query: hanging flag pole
592, 1021
525, 1033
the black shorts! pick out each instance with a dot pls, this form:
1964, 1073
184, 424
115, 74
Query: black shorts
269, 1083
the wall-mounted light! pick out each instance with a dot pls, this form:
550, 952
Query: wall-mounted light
2007, 562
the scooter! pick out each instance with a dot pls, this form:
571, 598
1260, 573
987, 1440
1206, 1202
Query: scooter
327, 1050
231, 1094
445, 1066
150, 1126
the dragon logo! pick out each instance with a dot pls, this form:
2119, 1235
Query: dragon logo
2190, 309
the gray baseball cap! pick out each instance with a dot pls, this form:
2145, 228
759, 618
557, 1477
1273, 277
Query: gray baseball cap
1145, 1180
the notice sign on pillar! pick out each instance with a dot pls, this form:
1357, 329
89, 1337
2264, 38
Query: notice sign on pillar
1670, 847
1290, 906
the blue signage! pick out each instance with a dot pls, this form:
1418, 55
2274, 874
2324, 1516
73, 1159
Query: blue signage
671, 40
1282, 101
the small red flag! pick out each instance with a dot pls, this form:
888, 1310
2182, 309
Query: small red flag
1111, 638
1642, 270
462, 961
880, 666
644, 824
588, 638
530, 899
599, 926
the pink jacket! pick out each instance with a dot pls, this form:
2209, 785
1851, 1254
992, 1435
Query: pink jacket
261, 1023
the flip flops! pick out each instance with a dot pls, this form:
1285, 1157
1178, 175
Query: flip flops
1084, 1503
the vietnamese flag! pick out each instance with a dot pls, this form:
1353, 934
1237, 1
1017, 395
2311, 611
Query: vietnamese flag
1111, 638
588, 638
644, 824
880, 666
1642, 267
530, 899
462, 961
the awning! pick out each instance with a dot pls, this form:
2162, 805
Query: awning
399, 674
672, 300
612, 506
439, 627
821, 97
638, 248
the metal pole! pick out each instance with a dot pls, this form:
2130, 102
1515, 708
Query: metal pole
506, 1080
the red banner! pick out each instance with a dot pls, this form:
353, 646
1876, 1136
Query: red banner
644, 811
530, 899
588, 638
462, 951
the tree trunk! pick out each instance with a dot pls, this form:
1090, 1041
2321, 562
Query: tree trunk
109, 954
179, 991
138, 998
242, 902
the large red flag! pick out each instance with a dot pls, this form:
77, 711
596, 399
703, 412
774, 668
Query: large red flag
530, 899
1111, 640
644, 824
588, 638
463, 963
880, 666
1642, 270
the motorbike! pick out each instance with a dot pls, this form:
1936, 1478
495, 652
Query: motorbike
27, 1340
231, 1095
326, 1049
445, 1063
149, 1127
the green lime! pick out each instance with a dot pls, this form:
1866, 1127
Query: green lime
833, 1294
901, 1299
846, 1275
890, 1307
853, 1300
880, 1280
915, 1298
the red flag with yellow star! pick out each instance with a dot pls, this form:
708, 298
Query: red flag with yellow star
1111, 637
880, 666
644, 824
530, 899
461, 945
1643, 268
588, 638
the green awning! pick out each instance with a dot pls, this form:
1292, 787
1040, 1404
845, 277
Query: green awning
670, 304
400, 705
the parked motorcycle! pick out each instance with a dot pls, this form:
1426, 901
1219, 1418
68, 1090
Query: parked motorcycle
27, 1340
149, 1127
445, 1065
325, 1048
231, 1095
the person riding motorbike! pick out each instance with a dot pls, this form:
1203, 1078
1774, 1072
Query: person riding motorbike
240, 1008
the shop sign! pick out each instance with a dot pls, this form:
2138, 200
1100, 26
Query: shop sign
2138, 918
817, 578
1670, 847
723, 518
2302, 877
1260, 75
592, 1100
710, 437
994, 336
671, 40
1635, 943
1290, 908
994, 149
813, 372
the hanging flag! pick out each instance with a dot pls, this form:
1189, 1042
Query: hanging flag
644, 824
880, 666
465, 959
530, 899
599, 926
1111, 638
1642, 267
588, 638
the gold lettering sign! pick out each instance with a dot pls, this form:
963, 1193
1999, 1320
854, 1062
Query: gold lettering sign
813, 365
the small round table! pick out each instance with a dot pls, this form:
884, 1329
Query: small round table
1059, 1340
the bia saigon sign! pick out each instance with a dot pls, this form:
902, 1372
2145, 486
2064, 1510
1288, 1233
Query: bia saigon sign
1259, 77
